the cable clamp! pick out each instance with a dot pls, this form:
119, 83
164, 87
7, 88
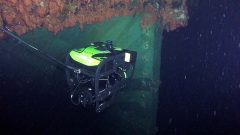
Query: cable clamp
78, 71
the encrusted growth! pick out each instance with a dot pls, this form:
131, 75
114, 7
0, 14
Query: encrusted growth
22, 16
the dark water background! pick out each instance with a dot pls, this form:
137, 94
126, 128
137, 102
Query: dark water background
200, 73
35, 102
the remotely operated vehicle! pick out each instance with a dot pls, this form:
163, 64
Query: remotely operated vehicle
94, 73
104, 70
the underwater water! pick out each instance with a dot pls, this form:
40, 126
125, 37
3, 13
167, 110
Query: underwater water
34, 91
200, 73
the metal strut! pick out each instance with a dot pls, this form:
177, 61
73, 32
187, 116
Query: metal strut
40, 51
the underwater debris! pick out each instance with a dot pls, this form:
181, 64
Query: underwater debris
22, 16
174, 14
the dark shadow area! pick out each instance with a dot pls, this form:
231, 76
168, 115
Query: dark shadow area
200, 73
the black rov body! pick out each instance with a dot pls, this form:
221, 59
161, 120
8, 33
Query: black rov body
96, 84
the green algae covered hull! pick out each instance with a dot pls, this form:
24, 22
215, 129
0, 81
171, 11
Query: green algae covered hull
135, 108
